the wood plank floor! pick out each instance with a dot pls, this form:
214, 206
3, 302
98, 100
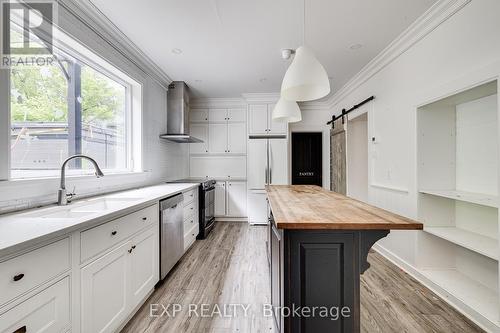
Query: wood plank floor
230, 267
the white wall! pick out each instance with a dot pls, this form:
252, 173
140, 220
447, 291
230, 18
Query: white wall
464, 43
357, 157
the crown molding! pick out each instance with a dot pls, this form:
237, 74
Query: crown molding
425, 24
255, 98
100, 24
214, 102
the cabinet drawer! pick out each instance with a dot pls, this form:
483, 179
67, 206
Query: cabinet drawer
22, 273
190, 236
104, 236
190, 196
47, 311
190, 222
189, 209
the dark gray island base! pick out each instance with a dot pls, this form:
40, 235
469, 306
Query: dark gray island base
318, 246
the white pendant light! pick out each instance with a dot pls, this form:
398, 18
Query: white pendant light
305, 79
287, 111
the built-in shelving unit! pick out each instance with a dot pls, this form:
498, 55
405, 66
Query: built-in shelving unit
475, 198
484, 245
476, 296
457, 146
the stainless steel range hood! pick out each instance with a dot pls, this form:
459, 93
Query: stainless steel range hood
178, 114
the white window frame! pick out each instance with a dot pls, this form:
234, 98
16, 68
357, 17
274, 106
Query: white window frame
133, 111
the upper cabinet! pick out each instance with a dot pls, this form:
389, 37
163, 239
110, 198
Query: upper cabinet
217, 115
260, 121
199, 131
198, 115
223, 131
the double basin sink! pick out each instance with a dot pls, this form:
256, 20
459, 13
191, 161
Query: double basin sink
82, 208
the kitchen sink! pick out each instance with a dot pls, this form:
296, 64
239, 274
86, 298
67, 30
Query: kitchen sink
81, 209
99, 205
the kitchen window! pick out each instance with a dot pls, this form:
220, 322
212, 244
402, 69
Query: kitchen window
78, 104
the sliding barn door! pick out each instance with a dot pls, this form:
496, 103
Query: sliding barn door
338, 174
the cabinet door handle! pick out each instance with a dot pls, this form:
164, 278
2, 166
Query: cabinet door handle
20, 330
17, 278
114, 232
131, 249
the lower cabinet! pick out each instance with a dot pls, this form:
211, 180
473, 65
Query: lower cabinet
236, 199
231, 199
220, 199
144, 265
105, 291
45, 312
114, 284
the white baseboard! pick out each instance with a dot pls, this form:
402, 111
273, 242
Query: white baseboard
456, 303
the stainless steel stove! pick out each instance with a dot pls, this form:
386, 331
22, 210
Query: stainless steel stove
206, 198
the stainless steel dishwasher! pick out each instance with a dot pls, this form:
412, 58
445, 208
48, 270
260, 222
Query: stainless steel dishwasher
171, 233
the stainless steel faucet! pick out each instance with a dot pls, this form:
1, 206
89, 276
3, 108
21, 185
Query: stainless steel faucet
62, 196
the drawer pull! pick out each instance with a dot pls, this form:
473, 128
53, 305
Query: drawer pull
17, 278
20, 330
113, 232
131, 249
144, 218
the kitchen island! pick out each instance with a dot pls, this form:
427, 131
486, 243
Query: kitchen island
318, 245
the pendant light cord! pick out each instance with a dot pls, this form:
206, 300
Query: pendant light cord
304, 24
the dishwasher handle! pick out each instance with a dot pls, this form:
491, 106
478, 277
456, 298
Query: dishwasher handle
171, 202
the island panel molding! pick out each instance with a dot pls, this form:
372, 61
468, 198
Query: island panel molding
312, 207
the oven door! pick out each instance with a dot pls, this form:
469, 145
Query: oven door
209, 204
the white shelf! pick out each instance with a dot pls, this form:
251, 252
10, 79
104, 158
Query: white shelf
475, 198
475, 295
486, 246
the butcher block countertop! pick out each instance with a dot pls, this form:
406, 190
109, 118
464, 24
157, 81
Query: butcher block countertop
312, 207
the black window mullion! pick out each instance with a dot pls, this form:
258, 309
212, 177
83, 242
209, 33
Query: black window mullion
74, 113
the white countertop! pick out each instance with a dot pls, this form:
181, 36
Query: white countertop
25, 228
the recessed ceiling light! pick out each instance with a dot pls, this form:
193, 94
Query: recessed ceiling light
176, 51
263, 79
356, 46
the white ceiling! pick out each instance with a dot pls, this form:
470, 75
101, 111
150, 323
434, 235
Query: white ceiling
230, 47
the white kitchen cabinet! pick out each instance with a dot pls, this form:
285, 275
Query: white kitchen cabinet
198, 115
219, 167
220, 199
257, 119
199, 131
260, 121
275, 127
236, 138
217, 138
105, 285
47, 311
217, 115
144, 265
236, 115
257, 207
236, 199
